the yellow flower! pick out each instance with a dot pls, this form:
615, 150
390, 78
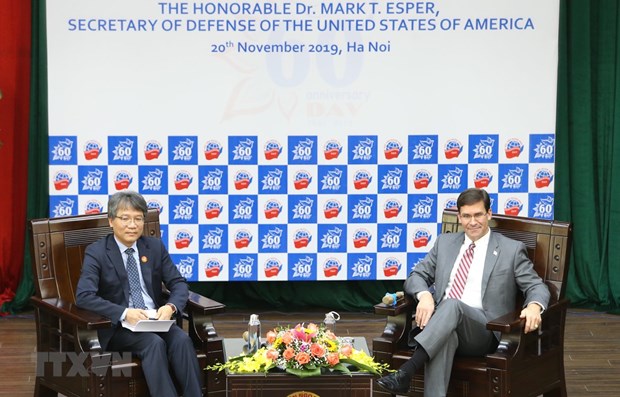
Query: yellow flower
361, 357
332, 346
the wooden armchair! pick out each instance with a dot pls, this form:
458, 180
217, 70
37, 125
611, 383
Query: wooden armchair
69, 358
524, 365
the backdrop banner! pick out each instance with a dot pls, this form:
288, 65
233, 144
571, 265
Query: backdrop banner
302, 140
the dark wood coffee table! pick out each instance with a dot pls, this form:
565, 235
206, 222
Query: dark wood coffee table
281, 384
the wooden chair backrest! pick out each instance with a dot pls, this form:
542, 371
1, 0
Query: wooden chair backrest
58, 246
548, 242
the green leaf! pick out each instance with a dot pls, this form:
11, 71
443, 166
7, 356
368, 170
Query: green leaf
304, 373
342, 368
241, 357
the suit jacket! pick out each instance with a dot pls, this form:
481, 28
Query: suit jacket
103, 286
507, 270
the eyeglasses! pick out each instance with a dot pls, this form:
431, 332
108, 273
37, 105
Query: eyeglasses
468, 217
127, 220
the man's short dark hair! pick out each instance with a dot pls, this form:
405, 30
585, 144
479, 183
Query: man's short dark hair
473, 196
126, 199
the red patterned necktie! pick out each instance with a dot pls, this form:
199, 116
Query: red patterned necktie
458, 285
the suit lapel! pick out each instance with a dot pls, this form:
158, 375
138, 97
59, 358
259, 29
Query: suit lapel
116, 260
146, 266
493, 252
445, 268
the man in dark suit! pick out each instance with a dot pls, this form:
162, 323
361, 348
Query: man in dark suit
476, 276
105, 288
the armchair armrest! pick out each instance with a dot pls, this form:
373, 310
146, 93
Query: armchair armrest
510, 322
516, 346
198, 311
199, 304
72, 328
69, 312
397, 327
407, 304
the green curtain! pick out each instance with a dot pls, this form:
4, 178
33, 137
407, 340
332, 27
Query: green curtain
587, 173
588, 149
38, 196
281, 295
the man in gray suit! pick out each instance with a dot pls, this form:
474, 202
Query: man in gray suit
476, 276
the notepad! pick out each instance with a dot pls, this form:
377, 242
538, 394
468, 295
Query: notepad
149, 325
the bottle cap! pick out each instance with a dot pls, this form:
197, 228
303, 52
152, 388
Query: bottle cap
253, 318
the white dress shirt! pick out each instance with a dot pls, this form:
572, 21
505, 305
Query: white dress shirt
472, 294
148, 301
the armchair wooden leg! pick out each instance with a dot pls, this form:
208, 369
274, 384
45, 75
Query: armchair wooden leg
559, 392
43, 391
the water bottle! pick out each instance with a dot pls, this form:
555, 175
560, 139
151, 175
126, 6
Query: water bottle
253, 334
330, 321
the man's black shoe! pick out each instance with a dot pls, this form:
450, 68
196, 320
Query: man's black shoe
396, 382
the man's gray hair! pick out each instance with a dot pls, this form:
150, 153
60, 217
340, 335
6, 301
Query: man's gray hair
126, 199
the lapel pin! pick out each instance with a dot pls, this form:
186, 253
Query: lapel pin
144, 259
495, 253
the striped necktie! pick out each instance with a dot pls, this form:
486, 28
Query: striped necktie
458, 284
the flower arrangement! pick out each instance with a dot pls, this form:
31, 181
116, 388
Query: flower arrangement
303, 351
